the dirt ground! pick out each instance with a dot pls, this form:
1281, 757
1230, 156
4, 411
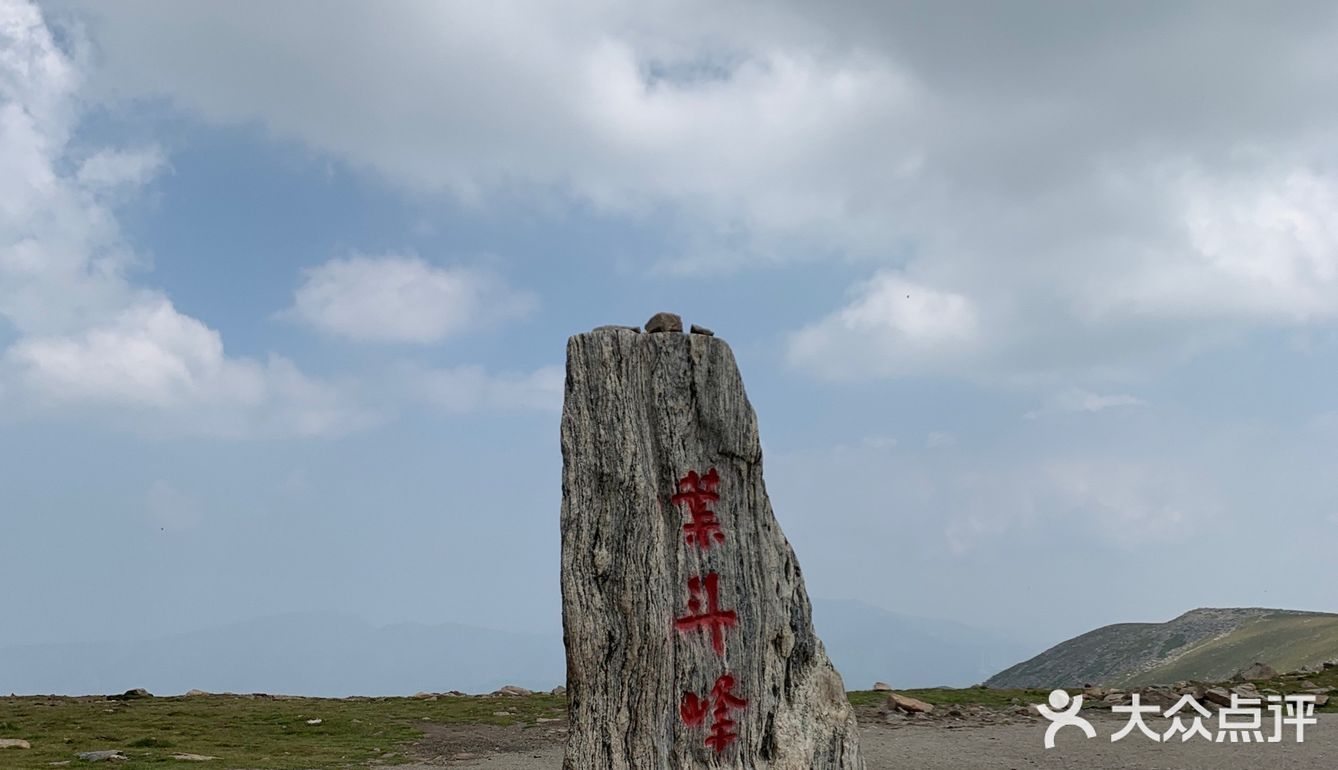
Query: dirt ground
1010, 745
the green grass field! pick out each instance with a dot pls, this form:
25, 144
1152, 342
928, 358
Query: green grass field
272, 734
244, 732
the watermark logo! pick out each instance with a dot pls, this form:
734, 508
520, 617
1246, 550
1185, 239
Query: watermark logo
1243, 721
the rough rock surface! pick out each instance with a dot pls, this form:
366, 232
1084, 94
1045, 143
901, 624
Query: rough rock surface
1258, 672
104, 756
641, 411
664, 322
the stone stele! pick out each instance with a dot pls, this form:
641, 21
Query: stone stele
660, 674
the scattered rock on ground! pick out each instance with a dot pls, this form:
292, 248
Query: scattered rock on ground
512, 689
135, 694
664, 322
314, 721
192, 757
908, 704
559, 690
1158, 696
882, 686
103, 756
1217, 695
1190, 688
194, 693
1257, 672
14, 743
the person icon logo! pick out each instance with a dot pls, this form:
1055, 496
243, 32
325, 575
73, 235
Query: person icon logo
1063, 712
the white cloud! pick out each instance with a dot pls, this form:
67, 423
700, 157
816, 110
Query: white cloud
891, 326
402, 299
1048, 224
1079, 400
938, 439
153, 362
112, 168
87, 338
1130, 502
471, 388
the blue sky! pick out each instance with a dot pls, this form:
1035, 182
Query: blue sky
1037, 307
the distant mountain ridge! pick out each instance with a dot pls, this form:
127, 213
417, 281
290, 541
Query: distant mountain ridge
1206, 644
330, 654
321, 654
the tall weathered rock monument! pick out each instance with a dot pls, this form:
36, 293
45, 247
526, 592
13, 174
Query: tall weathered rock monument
689, 636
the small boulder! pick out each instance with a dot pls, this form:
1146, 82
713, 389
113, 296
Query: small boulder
195, 693
559, 690
1321, 700
192, 757
618, 328
512, 689
702, 330
314, 722
14, 743
103, 756
138, 693
908, 704
1192, 689
1246, 690
664, 322
1159, 696
1116, 698
882, 687
1217, 695
1257, 672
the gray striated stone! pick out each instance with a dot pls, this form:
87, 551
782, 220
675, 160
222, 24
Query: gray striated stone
103, 756
642, 411
664, 322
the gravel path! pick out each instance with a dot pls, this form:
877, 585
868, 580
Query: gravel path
1019, 747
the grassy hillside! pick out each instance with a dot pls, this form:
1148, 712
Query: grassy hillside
1285, 642
1202, 645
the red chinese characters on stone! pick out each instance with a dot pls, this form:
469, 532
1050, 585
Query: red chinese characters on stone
722, 702
710, 617
699, 492
693, 710
704, 613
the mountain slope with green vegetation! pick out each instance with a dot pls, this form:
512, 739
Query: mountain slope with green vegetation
1201, 645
